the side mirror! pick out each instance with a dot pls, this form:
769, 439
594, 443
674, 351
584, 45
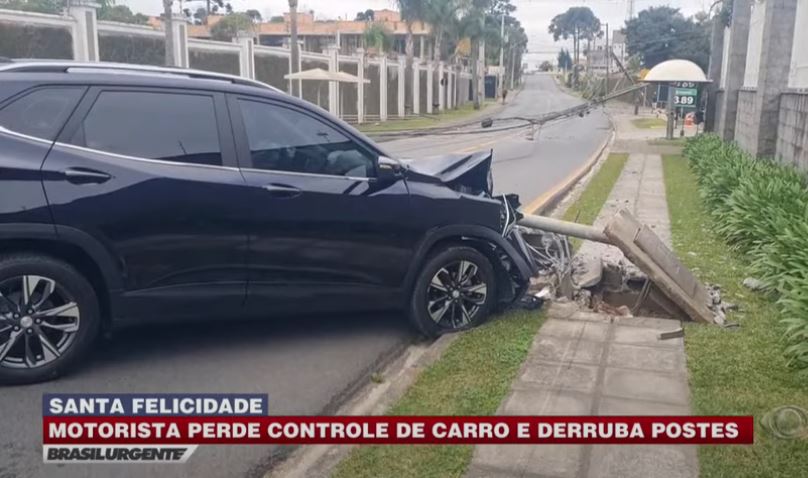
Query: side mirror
389, 170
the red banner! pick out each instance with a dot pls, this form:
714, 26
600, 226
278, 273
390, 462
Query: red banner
415, 430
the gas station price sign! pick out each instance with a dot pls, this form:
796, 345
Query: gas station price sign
685, 94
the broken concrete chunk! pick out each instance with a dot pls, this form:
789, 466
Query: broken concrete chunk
586, 271
754, 284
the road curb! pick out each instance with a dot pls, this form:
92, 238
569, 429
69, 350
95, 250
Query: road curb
549, 199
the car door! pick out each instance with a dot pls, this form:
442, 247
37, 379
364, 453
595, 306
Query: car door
326, 234
151, 174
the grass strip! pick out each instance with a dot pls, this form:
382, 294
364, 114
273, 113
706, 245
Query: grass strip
471, 378
733, 371
424, 121
586, 208
649, 123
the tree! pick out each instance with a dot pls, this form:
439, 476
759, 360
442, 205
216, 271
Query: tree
254, 15
121, 13
442, 16
472, 26
578, 23
546, 66
228, 27
366, 16
564, 60
658, 34
411, 11
38, 6
378, 36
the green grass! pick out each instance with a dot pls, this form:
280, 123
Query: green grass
424, 121
471, 378
737, 371
648, 123
586, 208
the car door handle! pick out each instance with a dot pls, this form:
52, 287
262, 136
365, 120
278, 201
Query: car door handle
83, 175
282, 190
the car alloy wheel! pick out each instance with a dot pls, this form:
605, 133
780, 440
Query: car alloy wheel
455, 294
39, 320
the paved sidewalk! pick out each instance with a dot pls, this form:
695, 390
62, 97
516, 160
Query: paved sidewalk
583, 363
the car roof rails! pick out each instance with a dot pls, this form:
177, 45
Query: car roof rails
60, 66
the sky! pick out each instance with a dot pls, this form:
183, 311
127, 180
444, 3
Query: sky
535, 15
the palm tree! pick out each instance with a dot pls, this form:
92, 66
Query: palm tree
442, 16
472, 26
378, 36
411, 11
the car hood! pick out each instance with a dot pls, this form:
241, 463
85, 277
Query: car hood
449, 168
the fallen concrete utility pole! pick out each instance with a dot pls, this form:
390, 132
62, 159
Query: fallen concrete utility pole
564, 227
643, 247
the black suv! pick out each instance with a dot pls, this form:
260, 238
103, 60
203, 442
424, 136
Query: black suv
132, 194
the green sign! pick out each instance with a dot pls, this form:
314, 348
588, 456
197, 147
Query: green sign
685, 97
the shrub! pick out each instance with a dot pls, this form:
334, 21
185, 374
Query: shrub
760, 208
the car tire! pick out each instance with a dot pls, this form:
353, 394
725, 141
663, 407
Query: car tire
43, 335
455, 290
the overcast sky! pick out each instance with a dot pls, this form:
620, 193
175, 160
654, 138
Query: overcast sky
535, 15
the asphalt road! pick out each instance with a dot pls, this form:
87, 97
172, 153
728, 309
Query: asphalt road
304, 364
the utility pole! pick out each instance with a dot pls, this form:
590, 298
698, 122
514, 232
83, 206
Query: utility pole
513, 64
608, 58
294, 52
501, 82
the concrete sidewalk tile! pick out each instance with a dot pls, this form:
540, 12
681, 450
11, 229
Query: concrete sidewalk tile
478, 471
557, 349
527, 401
580, 378
510, 459
570, 329
555, 460
627, 406
642, 461
644, 385
647, 358
644, 336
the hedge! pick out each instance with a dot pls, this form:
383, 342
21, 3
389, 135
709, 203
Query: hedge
761, 208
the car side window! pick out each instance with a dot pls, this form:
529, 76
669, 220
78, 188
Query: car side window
174, 127
284, 139
42, 112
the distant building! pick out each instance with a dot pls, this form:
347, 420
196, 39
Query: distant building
317, 35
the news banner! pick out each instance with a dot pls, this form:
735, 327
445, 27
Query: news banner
168, 428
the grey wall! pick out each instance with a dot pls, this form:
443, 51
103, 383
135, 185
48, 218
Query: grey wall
746, 126
18, 40
220, 62
792, 139
141, 50
271, 69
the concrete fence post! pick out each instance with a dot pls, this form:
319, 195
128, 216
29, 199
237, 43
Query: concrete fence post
246, 55
736, 64
383, 88
429, 88
450, 87
180, 33
402, 86
360, 87
416, 88
775, 63
333, 86
85, 32
441, 88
